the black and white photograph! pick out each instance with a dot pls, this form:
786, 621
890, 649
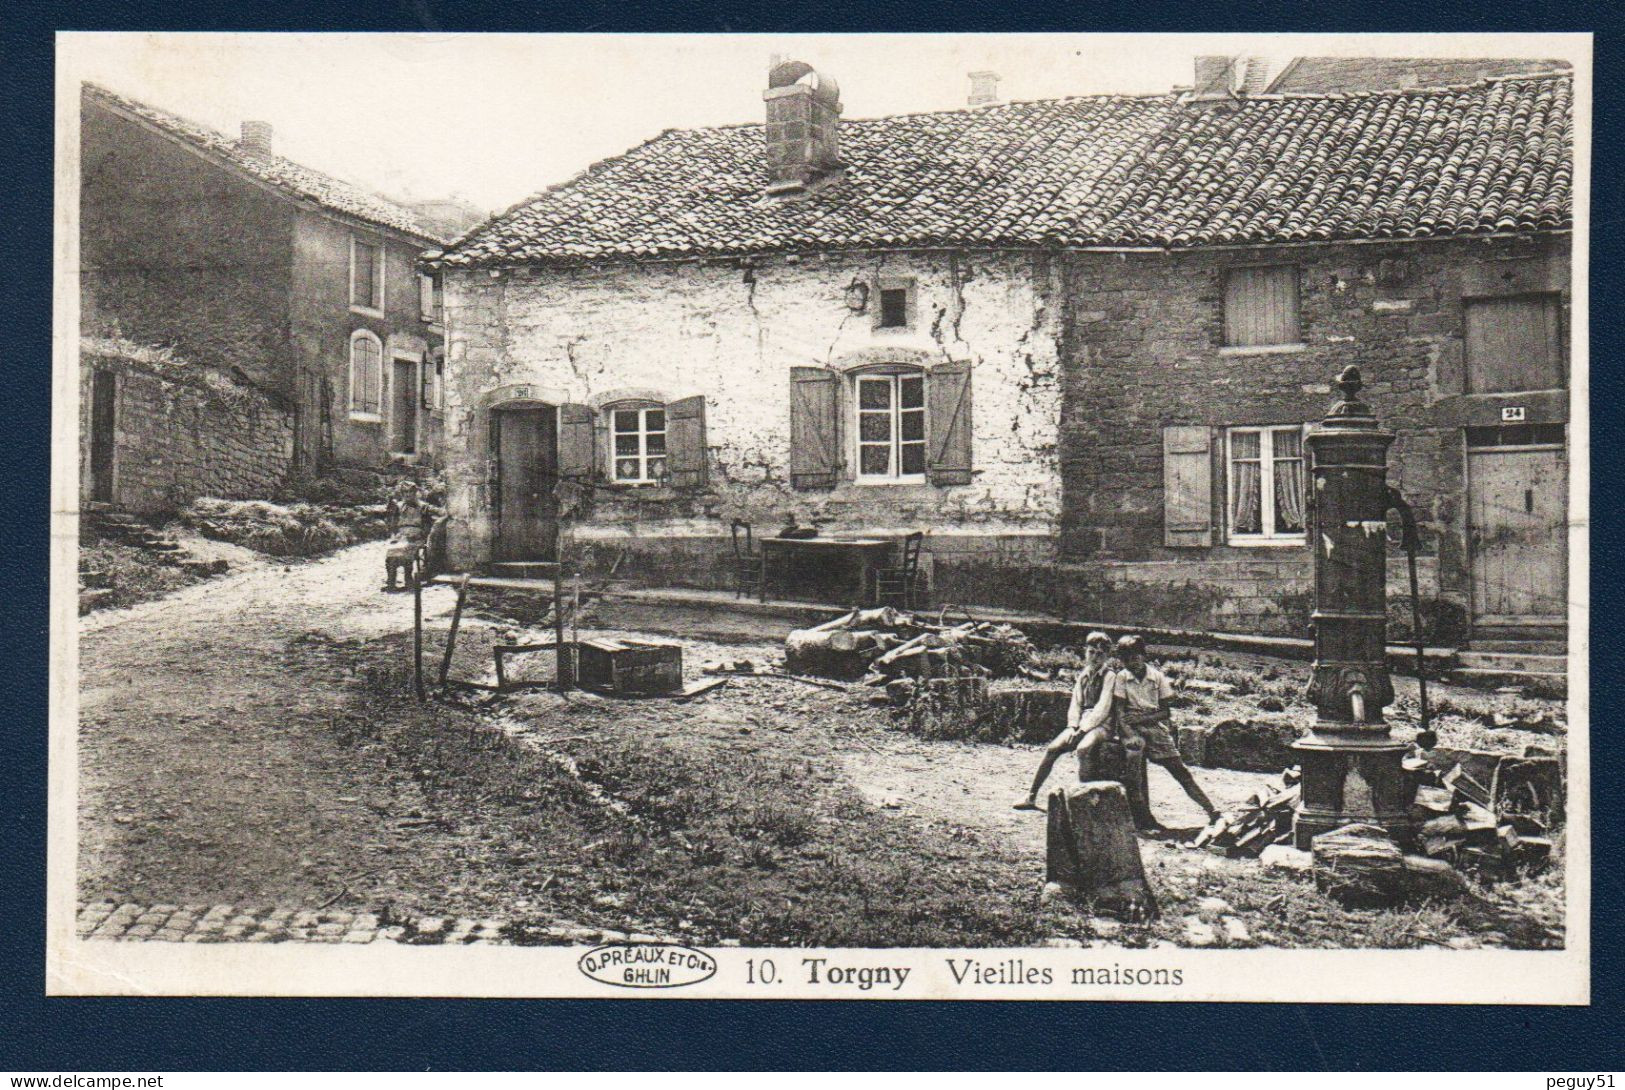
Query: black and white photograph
942, 516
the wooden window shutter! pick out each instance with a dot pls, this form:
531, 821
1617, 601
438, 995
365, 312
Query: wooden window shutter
685, 442
576, 442
815, 436
1513, 344
1187, 485
948, 422
1261, 306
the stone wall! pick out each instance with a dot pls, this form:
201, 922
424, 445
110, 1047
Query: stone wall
732, 332
1144, 349
176, 440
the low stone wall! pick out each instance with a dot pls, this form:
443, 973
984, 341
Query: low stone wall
180, 437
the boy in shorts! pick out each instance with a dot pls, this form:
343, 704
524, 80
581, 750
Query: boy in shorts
1139, 695
1084, 731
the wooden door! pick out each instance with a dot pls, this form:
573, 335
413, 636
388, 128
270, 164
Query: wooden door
526, 444
404, 414
1518, 534
103, 429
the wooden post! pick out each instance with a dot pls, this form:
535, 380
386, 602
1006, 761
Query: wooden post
562, 669
1093, 854
417, 638
451, 637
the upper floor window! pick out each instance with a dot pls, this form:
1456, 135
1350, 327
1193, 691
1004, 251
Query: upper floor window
1513, 344
638, 444
894, 309
891, 426
1261, 306
431, 297
366, 376
366, 275
1266, 475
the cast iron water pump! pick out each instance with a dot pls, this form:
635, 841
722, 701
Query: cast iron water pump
1352, 768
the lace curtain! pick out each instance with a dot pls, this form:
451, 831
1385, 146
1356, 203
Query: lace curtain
1288, 481
1246, 517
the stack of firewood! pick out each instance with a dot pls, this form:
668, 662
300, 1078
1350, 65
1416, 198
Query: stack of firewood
1460, 824
1264, 819
889, 644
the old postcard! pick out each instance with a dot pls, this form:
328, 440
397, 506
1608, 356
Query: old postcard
890, 517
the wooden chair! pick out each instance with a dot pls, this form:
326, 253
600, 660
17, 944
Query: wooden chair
749, 570
894, 586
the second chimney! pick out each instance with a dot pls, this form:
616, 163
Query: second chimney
256, 137
984, 88
803, 136
1215, 79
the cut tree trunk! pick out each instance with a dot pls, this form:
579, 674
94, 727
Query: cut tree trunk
948, 707
1093, 853
829, 653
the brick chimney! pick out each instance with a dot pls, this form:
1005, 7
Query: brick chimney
984, 89
256, 138
1215, 80
803, 136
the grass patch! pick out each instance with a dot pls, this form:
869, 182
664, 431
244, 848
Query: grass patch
132, 574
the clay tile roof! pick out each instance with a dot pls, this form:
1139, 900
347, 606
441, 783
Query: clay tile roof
293, 178
1097, 171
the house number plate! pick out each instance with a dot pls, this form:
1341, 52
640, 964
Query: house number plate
1512, 414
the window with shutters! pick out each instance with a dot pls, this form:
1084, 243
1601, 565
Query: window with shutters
1513, 344
1266, 485
1261, 307
430, 297
890, 426
366, 277
637, 438
366, 376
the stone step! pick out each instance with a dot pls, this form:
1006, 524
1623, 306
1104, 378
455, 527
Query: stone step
1520, 632
1495, 679
93, 578
89, 598
1521, 647
1511, 662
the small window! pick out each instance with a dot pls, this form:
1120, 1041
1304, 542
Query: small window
893, 308
1266, 484
1513, 344
1261, 307
891, 426
366, 376
638, 444
430, 297
366, 275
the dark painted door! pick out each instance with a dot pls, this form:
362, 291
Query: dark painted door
526, 444
103, 423
404, 418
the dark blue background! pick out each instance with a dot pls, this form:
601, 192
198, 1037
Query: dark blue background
41, 1034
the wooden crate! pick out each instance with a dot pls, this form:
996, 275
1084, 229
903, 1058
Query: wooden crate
631, 667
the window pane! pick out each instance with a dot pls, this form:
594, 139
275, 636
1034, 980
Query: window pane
626, 420
1287, 442
1244, 444
874, 427
626, 444
874, 393
655, 443
657, 468
626, 469
874, 461
655, 420
913, 425
913, 458
1288, 492
1246, 477
913, 392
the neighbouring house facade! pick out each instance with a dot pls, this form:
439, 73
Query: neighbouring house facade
301, 283
1075, 342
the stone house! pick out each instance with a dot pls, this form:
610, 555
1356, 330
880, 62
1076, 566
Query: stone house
301, 283
1075, 342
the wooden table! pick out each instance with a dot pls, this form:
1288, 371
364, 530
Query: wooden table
864, 553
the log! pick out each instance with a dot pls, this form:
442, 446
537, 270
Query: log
948, 707
1360, 865
1093, 855
831, 653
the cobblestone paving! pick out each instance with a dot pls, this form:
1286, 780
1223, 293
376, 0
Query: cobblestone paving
235, 923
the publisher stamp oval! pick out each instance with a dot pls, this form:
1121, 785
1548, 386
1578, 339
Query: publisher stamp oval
647, 965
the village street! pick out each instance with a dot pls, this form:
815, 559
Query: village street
252, 742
